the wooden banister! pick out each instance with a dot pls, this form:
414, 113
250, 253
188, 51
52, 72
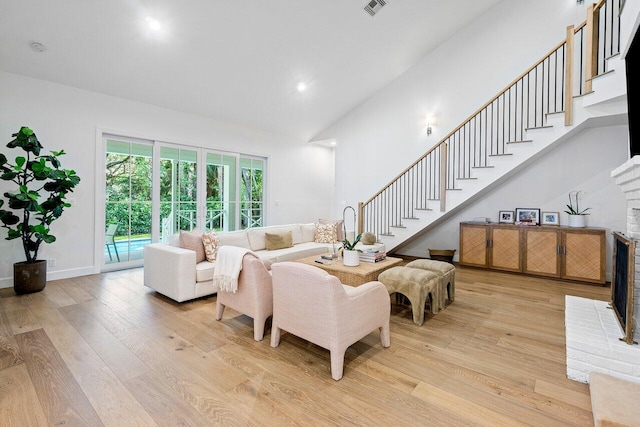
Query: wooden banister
591, 48
443, 178
568, 77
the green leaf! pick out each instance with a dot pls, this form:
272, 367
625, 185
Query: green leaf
40, 229
8, 176
48, 238
20, 161
13, 234
3, 159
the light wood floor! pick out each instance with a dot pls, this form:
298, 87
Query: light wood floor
104, 350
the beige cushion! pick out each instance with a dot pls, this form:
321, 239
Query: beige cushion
204, 271
278, 241
325, 233
308, 232
256, 236
234, 238
339, 227
210, 241
192, 240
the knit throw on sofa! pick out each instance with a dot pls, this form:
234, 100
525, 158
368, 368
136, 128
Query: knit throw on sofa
228, 267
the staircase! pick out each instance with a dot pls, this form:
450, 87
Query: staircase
580, 83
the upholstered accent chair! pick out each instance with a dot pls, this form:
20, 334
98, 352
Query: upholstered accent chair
254, 296
312, 304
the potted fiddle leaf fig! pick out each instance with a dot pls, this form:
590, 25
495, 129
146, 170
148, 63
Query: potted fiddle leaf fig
37, 200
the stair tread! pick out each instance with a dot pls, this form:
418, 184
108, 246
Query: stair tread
501, 155
520, 142
539, 127
454, 189
386, 234
409, 217
482, 167
423, 209
397, 226
466, 179
602, 74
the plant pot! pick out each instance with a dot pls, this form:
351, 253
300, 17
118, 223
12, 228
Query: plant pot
576, 221
350, 258
445, 255
29, 277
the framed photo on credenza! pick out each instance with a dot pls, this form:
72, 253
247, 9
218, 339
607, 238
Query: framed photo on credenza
527, 216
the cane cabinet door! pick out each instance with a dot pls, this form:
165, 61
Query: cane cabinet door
542, 252
584, 255
504, 246
473, 244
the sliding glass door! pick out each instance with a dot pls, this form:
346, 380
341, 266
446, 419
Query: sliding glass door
178, 190
129, 175
184, 188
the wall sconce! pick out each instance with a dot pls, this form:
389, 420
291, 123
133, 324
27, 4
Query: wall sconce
428, 121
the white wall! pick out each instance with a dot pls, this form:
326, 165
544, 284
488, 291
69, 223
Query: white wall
584, 163
385, 134
301, 175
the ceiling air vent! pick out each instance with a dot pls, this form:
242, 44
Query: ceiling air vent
374, 6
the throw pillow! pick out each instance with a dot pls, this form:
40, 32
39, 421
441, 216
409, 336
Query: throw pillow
193, 240
325, 233
211, 242
339, 227
278, 241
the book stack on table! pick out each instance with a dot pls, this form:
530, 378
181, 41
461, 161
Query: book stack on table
372, 256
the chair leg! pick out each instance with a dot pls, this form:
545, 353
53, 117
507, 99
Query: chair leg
115, 248
258, 329
337, 363
385, 336
219, 310
275, 334
109, 251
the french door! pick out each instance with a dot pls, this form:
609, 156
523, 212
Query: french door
153, 190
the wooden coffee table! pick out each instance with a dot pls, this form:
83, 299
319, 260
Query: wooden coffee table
354, 276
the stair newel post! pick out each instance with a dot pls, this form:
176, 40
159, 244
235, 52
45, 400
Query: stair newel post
443, 177
360, 218
568, 78
591, 48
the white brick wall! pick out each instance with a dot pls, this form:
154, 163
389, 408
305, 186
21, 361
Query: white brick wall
593, 344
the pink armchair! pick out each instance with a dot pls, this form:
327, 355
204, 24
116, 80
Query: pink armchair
310, 303
254, 296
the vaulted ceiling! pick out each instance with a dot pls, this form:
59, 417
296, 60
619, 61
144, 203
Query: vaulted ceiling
238, 61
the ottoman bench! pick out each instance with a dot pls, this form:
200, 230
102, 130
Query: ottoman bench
447, 273
418, 285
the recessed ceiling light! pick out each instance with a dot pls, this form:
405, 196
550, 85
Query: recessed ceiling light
153, 24
301, 87
38, 47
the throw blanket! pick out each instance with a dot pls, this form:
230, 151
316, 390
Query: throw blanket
228, 267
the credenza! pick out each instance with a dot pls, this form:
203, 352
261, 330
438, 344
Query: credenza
552, 251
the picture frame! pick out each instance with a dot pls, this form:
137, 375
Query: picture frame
527, 216
505, 217
550, 218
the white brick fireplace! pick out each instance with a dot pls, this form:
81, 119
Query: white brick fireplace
592, 329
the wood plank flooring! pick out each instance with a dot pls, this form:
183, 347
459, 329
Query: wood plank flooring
105, 350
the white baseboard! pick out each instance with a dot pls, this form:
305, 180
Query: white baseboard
7, 282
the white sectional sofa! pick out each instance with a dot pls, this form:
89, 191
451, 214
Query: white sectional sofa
173, 271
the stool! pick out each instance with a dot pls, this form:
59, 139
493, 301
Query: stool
417, 285
447, 274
